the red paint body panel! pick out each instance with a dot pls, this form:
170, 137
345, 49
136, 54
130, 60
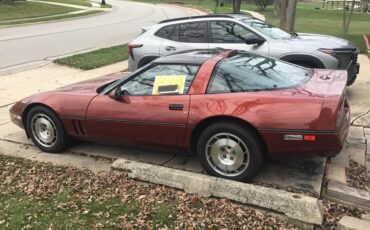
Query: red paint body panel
141, 120
317, 107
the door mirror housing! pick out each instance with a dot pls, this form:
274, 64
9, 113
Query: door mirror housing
168, 90
257, 40
119, 95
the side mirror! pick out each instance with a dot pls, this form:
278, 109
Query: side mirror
168, 90
119, 95
258, 41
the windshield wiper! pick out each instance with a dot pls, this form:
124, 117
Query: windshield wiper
294, 34
104, 86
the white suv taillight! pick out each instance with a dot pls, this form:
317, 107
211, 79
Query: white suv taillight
131, 47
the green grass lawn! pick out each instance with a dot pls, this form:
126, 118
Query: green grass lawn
308, 19
326, 22
23, 10
59, 17
73, 2
96, 58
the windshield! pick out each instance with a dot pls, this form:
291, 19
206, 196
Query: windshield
266, 29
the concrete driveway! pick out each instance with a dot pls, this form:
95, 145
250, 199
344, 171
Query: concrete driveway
24, 47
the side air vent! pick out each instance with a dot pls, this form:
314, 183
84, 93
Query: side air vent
78, 127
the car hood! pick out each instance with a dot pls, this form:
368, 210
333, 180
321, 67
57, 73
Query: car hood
90, 86
321, 41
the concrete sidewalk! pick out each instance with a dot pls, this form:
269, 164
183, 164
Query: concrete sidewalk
19, 85
94, 6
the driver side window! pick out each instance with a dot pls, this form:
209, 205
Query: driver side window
143, 84
229, 32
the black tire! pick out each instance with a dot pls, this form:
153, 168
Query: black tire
250, 140
61, 140
304, 64
351, 81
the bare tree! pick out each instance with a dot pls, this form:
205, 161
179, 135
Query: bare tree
262, 4
287, 14
347, 14
276, 4
236, 6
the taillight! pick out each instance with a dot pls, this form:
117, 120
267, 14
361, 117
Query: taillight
131, 47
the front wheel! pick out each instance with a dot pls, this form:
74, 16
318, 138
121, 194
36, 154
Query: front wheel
46, 130
230, 151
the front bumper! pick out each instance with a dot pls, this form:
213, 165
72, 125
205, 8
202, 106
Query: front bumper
353, 69
348, 61
16, 119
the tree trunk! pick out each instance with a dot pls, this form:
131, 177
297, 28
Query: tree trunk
290, 17
287, 14
236, 6
103, 2
283, 10
276, 8
347, 16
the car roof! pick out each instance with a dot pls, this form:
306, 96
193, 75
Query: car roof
213, 16
192, 57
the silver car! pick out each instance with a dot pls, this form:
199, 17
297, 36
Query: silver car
243, 33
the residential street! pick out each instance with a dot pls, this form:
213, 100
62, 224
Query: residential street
23, 47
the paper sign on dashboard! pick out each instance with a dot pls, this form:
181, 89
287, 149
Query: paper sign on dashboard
169, 80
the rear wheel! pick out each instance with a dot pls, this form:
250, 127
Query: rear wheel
46, 130
229, 151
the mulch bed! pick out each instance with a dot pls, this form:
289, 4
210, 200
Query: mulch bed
356, 176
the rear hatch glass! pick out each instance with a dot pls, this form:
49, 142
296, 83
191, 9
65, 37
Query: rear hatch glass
251, 72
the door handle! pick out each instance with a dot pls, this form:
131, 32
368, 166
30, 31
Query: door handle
170, 48
176, 106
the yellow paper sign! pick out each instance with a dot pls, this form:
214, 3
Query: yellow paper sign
169, 80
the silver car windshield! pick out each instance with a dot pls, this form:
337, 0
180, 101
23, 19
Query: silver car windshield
266, 29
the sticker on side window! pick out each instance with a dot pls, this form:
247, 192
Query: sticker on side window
169, 84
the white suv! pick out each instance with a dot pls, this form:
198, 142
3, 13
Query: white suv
242, 33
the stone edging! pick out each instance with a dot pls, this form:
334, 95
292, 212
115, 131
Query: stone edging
296, 206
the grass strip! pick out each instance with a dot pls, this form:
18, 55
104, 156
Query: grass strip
27, 10
95, 59
72, 2
34, 20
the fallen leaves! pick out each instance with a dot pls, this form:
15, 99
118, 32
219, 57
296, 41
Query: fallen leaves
356, 176
113, 200
333, 212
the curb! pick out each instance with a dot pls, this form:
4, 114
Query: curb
296, 206
342, 193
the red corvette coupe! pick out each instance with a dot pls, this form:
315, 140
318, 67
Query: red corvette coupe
231, 108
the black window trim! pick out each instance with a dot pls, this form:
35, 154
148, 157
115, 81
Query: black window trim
156, 33
222, 20
178, 24
152, 65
